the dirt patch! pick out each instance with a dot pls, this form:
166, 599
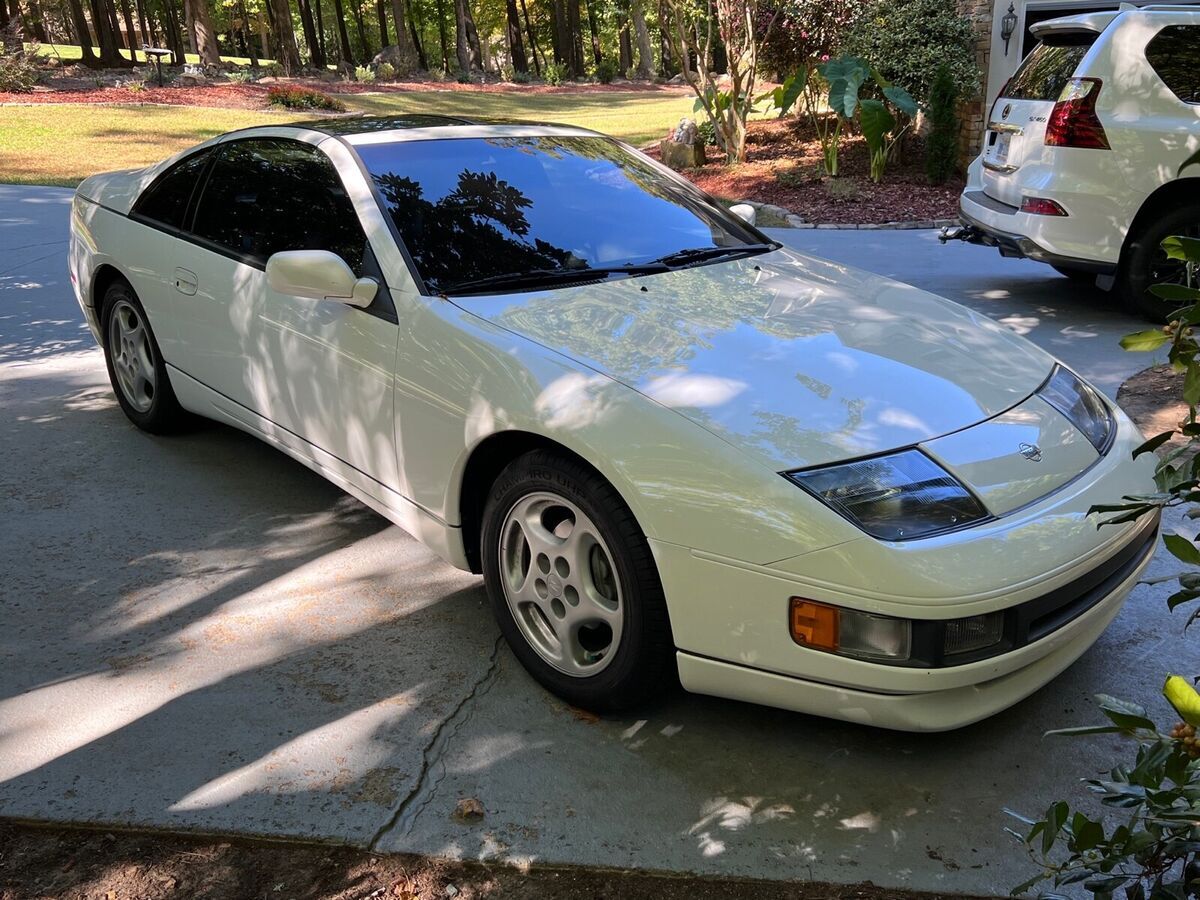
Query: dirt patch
63, 864
1153, 398
783, 167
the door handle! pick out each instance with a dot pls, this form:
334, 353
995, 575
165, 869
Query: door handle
186, 281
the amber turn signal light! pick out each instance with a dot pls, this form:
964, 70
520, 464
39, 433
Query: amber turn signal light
814, 624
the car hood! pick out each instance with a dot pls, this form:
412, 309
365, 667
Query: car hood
795, 359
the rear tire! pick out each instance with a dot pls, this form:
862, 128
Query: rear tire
1146, 263
573, 585
135, 364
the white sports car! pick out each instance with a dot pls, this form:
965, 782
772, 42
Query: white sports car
674, 449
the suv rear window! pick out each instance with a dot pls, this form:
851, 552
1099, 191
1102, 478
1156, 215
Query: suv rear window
1046, 71
1174, 54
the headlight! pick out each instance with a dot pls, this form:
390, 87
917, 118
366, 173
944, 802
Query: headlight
1081, 404
897, 497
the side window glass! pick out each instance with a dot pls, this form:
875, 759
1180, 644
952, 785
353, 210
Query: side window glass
166, 200
1174, 54
270, 195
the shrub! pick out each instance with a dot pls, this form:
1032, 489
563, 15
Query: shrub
941, 148
464, 78
242, 76
276, 70
18, 73
606, 71
364, 73
554, 73
907, 41
385, 71
293, 97
804, 32
707, 132
520, 77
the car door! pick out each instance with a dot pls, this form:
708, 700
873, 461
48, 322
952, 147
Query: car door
317, 369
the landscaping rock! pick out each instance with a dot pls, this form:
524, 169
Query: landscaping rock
405, 63
681, 156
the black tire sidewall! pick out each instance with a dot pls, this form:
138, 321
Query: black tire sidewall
1142, 252
163, 414
642, 664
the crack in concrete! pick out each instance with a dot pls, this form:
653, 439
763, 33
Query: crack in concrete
415, 802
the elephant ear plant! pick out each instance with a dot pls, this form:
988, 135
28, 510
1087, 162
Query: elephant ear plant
1152, 852
845, 76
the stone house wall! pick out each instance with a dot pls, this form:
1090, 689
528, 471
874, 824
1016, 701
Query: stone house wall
971, 112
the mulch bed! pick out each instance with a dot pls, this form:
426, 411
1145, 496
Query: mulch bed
1153, 398
39, 862
783, 167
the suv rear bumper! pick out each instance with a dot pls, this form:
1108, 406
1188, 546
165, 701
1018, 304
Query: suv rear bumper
980, 213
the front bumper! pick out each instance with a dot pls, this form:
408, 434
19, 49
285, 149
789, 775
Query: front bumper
978, 691
1058, 578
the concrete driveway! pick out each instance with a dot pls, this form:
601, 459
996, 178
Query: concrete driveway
199, 633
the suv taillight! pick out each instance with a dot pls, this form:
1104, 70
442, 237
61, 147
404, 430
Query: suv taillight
1073, 122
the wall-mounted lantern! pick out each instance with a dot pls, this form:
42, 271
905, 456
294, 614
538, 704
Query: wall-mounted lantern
1008, 25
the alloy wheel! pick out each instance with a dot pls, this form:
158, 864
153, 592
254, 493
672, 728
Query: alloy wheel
560, 584
132, 356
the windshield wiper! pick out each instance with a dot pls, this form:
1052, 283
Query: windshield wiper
536, 277
697, 254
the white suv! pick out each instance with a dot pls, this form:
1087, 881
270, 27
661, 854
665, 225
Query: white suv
1080, 166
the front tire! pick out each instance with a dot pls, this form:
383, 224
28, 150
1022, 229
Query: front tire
573, 585
135, 364
1146, 263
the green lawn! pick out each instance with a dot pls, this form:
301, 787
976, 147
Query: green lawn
64, 143
70, 53
633, 117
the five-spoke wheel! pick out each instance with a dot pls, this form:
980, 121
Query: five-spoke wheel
560, 583
573, 584
135, 364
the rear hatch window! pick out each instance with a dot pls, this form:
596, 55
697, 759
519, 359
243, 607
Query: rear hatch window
1046, 71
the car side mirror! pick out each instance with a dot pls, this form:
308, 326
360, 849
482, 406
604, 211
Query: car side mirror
745, 212
319, 275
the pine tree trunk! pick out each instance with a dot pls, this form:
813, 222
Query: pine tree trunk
343, 36
562, 40
645, 64
316, 4
310, 33
286, 52
625, 45
596, 54
422, 59
102, 21
466, 38
381, 15
533, 47
516, 45
361, 28
147, 38
82, 35
405, 44
202, 28
37, 22
174, 37
575, 65
441, 11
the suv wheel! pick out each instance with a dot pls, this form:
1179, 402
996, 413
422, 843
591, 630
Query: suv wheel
574, 586
1146, 263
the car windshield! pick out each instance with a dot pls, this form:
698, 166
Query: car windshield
485, 215
1048, 68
